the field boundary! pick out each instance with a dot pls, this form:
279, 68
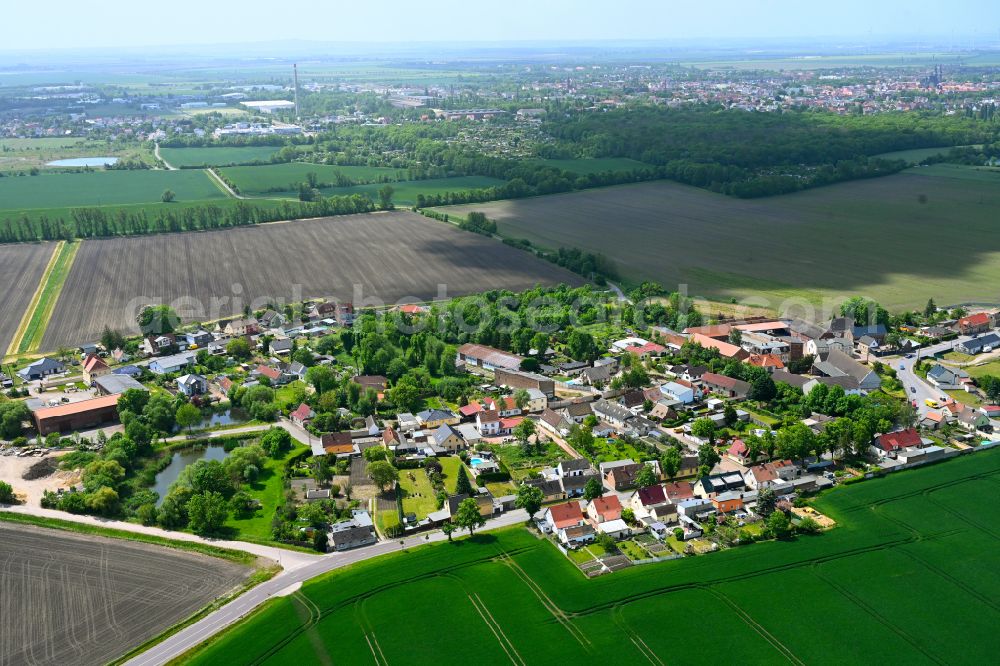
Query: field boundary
237, 556
29, 312
221, 184
50, 289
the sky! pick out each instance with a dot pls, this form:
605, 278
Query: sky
108, 23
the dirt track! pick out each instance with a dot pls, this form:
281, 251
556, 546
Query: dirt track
73, 599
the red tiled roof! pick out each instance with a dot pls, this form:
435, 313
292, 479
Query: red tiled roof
648, 348
894, 441
738, 448
302, 413
978, 319
270, 373
470, 409
719, 380
488, 416
94, 362
678, 491
652, 495
511, 422
566, 515
765, 361
726, 349
608, 507
79, 407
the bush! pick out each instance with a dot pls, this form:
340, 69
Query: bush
7, 493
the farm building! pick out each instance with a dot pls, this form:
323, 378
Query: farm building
116, 384
488, 358
524, 380
77, 415
41, 368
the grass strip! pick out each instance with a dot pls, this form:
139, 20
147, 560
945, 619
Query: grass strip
237, 556
29, 313
51, 287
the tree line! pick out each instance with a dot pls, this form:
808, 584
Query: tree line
109, 222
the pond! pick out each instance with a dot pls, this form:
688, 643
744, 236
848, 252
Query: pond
179, 461
232, 416
84, 162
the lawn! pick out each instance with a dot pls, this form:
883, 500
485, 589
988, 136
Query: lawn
991, 368
291, 391
519, 463
418, 493
269, 489
102, 188
633, 550
609, 450
957, 357
869, 579
216, 155
965, 398
449, 470
722, 247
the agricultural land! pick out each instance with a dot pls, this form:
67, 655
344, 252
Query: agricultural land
216, 156
71, 598
900, 542
895, 239
286, 177
102, 188
21, 268
387, 256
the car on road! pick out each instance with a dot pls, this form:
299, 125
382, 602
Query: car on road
910, 355
913, 389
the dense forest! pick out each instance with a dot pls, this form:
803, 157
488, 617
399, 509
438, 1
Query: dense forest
757, 154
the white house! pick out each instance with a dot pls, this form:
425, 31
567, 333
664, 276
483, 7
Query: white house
678, 391
192, 385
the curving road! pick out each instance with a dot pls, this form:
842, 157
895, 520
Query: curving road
215, 622
156, 153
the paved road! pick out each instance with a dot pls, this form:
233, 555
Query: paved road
916, 387
191, 636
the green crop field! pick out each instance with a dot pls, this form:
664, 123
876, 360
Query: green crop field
102, 188
46, 143
216, 156
286, 177
900, 239
585, 167
909, 576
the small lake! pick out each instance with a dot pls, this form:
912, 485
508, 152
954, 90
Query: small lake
179, 461
84, 162
233, 416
